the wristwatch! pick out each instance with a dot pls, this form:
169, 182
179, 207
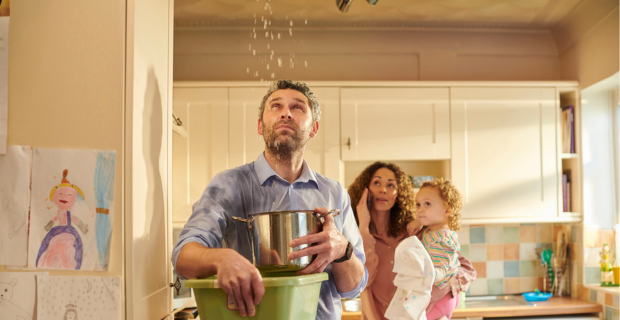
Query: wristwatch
347, 254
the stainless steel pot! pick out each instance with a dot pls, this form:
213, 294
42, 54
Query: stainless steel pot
271, 233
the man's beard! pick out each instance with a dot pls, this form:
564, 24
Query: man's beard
292, 145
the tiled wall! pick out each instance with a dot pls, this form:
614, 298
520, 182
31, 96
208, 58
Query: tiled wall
504, 256
588, 270
594, 240
609, 302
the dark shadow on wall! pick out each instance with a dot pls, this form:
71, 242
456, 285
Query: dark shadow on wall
154, 235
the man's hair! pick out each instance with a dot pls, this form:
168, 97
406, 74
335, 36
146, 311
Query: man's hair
299, 86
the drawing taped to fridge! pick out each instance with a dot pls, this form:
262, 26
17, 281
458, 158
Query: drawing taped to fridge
71, 209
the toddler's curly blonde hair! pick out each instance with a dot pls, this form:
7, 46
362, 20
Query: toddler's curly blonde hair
451, 197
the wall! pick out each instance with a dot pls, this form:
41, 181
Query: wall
66, 87
366, 54
588, 43
148, 123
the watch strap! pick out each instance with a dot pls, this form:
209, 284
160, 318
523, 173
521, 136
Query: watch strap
347, 254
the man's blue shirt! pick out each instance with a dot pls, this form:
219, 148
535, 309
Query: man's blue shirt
254, 188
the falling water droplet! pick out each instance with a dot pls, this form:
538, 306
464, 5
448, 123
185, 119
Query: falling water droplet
267, 66
268, 46
248, 70
276, 168
272, 36
273, 75
306, 21
250, 46
279, 62
278, 159
272, 52
286, 17
306, 63
291, 23
290, 31
255, 36
253, 52
278, 36
266, 34
262, 18
269, 22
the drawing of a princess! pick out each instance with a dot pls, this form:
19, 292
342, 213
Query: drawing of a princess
62, 246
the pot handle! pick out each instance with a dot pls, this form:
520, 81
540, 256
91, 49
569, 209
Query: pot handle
244, 220
333, 212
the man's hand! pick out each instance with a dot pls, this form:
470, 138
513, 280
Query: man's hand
413, 227
329, 245
238, 277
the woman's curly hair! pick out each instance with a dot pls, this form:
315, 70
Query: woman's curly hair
403, 210
452, 199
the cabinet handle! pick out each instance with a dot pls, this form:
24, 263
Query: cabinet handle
349, 143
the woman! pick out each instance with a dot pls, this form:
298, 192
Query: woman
385, 205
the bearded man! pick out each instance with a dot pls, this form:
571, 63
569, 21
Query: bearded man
213, 243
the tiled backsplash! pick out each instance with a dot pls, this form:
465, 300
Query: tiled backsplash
504, 256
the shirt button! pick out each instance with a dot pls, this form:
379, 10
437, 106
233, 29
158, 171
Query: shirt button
389, 247
392, 262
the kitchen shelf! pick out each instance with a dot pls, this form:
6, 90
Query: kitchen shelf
570, 155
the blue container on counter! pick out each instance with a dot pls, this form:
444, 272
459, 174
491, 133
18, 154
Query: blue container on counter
536, 296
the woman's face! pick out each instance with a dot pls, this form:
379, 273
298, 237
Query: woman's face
384, 189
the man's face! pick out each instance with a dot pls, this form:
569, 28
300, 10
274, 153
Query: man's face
287, 124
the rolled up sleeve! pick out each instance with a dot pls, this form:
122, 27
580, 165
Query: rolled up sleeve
352, 233
209, 218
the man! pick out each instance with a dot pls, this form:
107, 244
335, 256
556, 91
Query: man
213, 243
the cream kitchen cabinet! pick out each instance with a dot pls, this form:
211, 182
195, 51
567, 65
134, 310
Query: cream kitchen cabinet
505, 153
395, 123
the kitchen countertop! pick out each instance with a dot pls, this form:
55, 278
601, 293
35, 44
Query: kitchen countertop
553, 306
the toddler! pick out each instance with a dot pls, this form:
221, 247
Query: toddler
438, 208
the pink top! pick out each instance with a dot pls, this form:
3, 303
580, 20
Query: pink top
380, 287
379, 261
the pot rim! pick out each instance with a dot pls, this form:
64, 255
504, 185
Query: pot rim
281, 212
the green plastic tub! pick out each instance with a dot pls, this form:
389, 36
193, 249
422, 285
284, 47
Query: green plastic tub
287, 296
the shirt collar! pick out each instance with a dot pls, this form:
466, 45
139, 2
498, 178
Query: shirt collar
264, 172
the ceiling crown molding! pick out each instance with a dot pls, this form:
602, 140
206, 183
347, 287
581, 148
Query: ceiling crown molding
353, 25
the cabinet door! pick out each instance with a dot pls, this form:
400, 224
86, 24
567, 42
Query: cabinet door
504, 152
245, 145
395, 123
199, 145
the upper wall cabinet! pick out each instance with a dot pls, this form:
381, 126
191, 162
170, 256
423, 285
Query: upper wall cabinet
504, 152
395, 123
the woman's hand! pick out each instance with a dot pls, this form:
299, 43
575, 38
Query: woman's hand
363, 215
413, 227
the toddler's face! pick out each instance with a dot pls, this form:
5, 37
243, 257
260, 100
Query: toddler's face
431, 210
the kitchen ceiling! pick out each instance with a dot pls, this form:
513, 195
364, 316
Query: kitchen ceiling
511, 14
